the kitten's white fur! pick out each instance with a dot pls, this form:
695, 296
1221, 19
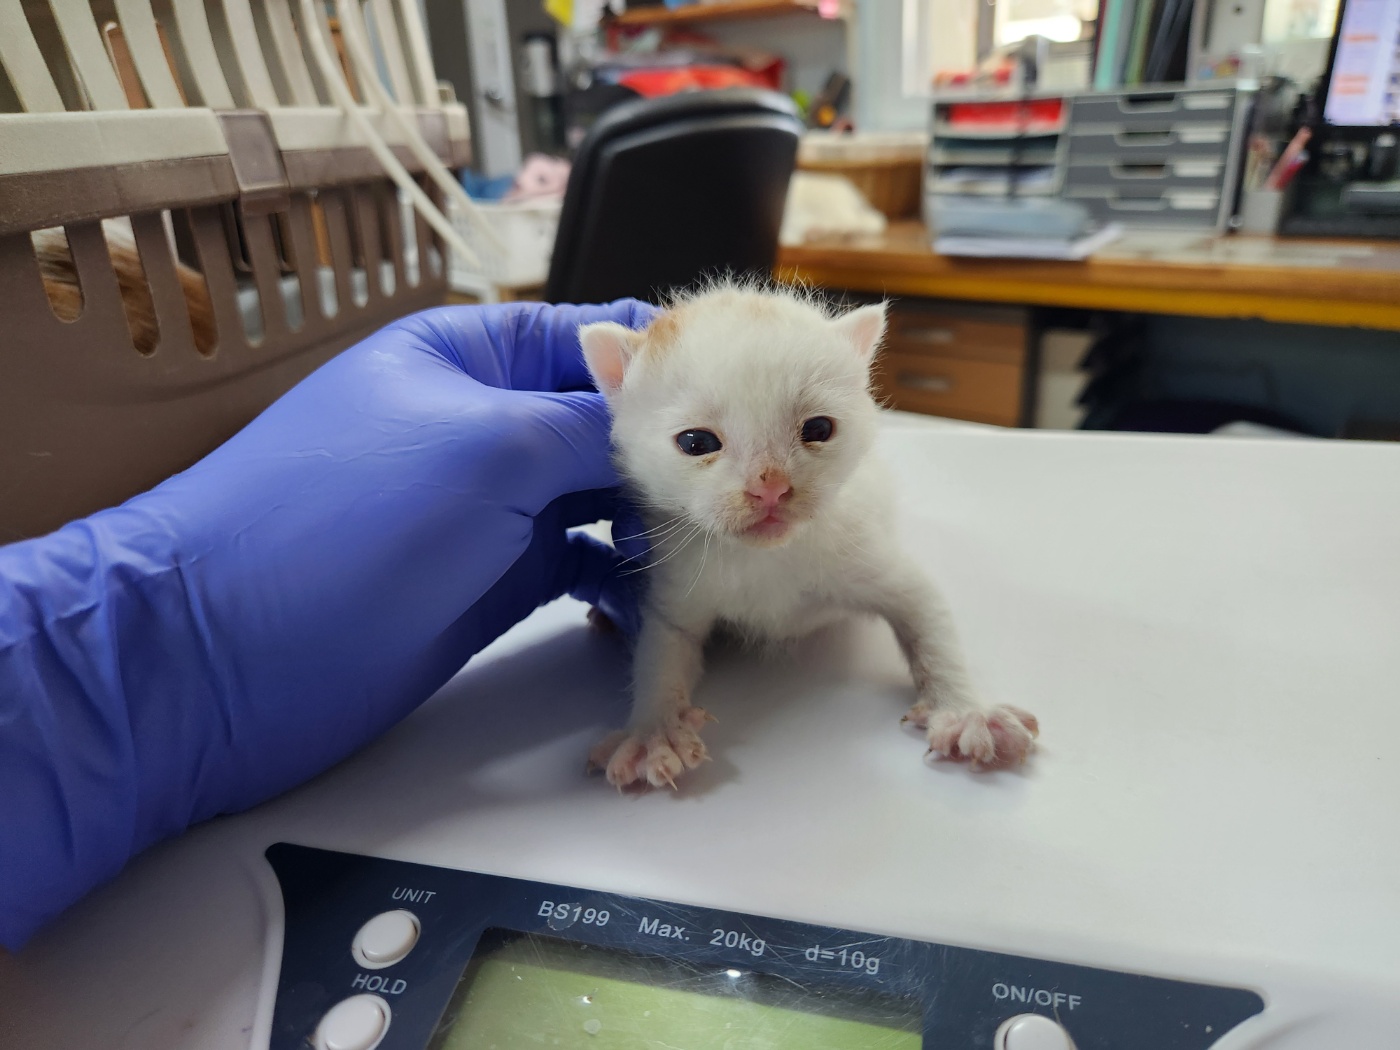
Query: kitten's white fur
730, 549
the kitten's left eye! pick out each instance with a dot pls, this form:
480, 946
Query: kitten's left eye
818, 428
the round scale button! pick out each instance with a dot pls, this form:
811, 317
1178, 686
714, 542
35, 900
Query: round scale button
1032, 1032
385, 939
357, 1023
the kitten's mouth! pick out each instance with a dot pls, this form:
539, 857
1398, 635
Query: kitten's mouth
769, 528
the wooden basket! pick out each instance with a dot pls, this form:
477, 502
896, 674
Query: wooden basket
891, 186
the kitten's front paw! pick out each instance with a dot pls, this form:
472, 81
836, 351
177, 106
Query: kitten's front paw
652, 758
994, 739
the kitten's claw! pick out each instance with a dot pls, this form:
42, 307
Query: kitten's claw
995, 739
603, 751
653, 758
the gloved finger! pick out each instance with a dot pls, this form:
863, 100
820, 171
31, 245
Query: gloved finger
620, 594
548, 354
598, 575
519, 346
543, 446
552, 566
631, 534
585, 566
584, 508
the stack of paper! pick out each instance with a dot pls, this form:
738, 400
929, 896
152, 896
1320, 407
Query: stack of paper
1016, 227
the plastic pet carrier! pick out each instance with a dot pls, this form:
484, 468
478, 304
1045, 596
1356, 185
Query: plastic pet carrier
200, 202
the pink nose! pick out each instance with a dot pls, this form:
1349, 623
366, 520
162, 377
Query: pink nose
770, 488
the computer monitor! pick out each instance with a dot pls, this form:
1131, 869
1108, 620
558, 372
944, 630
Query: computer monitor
1363, 75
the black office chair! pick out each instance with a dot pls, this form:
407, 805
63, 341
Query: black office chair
664, 191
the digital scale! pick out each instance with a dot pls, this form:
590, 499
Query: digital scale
455, 960
1201, 855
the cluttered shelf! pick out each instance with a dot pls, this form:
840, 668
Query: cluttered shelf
713, 11
1197, 274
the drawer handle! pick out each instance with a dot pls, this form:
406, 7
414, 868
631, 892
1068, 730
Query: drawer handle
1215, 100
1209, 135
939, 336
1164, 102
932, 384
1193, 201
1137, 203
1143, 138
1129, 170
1196, 169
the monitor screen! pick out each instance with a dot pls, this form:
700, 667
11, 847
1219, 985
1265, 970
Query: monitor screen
1364, 87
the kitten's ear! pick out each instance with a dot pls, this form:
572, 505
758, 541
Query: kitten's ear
608, 348
863, 328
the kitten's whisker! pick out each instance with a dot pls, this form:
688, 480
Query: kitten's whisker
851, 543
638, 535
674, 524
704, 554
685, 542
855, 551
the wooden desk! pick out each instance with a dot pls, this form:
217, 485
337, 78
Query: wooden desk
1296, 281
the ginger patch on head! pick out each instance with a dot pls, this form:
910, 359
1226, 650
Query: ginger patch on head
760, 307
663, 332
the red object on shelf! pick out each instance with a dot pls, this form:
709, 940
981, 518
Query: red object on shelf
653, 83
1011, 115
764, 69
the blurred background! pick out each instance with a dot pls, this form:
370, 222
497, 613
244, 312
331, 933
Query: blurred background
1144, 215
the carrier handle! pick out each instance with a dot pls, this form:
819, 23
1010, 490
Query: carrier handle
353, 27
335, 81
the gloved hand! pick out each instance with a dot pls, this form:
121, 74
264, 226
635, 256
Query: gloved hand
260, 616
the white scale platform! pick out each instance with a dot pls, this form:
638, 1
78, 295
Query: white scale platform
1208, 629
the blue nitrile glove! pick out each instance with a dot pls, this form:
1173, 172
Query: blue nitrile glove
262, 615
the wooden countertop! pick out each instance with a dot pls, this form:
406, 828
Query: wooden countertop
1353, 283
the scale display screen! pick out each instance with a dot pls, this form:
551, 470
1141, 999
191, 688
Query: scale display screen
526, 990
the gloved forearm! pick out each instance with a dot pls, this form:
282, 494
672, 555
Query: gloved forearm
83, 621
260, 616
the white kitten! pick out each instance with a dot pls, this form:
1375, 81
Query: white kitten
744, 423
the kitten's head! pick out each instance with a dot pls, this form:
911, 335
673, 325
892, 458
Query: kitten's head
740, 410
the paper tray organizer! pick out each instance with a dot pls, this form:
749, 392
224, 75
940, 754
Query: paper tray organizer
1151, 156
207, 131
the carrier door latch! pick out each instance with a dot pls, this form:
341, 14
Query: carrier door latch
257, 162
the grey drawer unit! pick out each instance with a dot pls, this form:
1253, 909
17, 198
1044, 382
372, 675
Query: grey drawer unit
1107, 141
1140, 174
1165, 208
1163, 157
1167, 108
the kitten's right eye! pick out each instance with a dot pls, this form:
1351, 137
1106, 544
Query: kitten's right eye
698, 442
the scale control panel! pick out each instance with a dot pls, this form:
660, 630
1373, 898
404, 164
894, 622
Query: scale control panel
387, 955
